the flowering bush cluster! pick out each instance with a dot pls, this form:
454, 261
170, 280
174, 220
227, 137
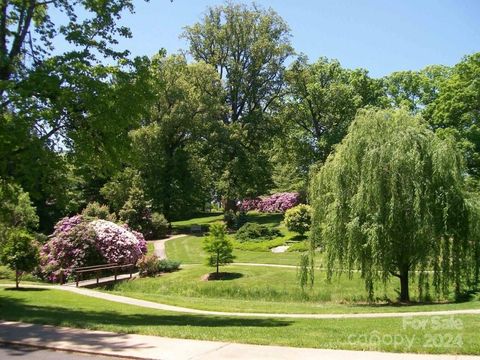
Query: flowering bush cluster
279, 202
117, 244
78, 242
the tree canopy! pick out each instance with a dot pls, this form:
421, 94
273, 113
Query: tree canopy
248, 47
390, 201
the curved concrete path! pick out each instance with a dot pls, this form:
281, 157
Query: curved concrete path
159, 246
179, 309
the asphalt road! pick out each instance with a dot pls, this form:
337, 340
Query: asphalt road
10, 352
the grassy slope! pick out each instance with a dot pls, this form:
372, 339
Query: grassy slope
204, 221
264, 289
189, 251
36, 306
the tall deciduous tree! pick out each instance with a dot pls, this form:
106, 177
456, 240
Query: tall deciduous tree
390, 201
457, 109
248, 46
414, 90
320, 103
68, 102
185, 112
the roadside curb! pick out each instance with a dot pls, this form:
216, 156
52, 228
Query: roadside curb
69, 350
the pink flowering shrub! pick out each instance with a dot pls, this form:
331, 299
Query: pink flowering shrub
72, 245
117, 244
77, 242
279, 202
250, 204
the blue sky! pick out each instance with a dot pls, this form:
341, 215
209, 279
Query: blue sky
381, 36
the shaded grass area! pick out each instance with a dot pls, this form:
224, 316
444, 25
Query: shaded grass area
79, 311
272, 290
203, 220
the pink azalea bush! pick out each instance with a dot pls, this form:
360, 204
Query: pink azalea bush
117, 244
279, 202
77, 242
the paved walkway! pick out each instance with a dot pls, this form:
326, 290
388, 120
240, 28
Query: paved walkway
159, 246
103, 280
266, 265
180, 309
152, 347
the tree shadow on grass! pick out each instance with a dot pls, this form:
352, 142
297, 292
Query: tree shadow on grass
298, 238
265, 219
222, 276
406, 305
24, 289
14, 309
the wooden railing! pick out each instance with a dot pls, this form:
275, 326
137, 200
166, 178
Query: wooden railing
98, 268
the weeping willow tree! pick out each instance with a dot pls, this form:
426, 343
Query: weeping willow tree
390, 202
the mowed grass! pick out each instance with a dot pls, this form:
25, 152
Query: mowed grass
189, 250
204, 220
271, 290
150, 248
8, 276
73, 310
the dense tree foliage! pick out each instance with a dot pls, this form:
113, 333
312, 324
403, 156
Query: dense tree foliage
248, 46
456, 110
169, 148
320, 103
391, 201
299, 219
64, 102
414, 90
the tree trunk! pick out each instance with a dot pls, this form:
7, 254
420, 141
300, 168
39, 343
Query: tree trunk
404, 293
229, 204
17, 277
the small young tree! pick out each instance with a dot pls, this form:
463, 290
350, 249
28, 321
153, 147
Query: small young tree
218, 247
16, 209
299, 218
19, 253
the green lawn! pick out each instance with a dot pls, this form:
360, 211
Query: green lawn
72, 310
204, 220
8, 276
189, 251
272, 220
150, 248
267, 289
